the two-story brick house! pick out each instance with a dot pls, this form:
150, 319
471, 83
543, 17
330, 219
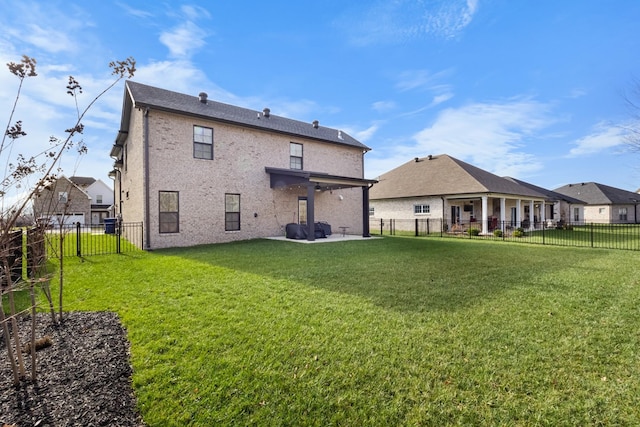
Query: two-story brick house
195, 171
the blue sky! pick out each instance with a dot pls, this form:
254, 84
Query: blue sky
529, 89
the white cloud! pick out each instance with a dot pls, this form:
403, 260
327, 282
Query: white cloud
403, 20
184, 40
488, 135
601, 139
383, 106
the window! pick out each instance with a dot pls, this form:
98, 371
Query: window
302, 210
63, 197
231, 212
600, 211
169, 212
421, 209
295, 156
372, 211
202, 143
99, 199
622, 214
576, 214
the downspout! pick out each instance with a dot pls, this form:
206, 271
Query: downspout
147, 214
443, 217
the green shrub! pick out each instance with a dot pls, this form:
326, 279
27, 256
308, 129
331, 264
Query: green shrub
497, 233
474, 231
518, 232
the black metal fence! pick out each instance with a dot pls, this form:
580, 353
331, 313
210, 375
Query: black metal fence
579, 234
85, 240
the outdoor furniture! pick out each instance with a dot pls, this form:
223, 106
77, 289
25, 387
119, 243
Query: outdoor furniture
344, 230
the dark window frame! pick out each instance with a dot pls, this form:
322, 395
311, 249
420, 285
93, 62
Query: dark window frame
168, 220
231, 217
202, 143
296, 161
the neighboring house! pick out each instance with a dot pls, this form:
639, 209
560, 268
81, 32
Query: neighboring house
443, 187
100, 194
195, 171
605, 204
62, 201
561, 208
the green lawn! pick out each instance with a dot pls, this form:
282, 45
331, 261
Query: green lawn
384, 332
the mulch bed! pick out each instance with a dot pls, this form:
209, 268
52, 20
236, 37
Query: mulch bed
83, 377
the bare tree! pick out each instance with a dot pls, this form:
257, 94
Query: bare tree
42, 168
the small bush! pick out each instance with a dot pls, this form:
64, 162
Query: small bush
518, 232
497, 233
474, 231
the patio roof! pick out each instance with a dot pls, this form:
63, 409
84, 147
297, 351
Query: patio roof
282, 178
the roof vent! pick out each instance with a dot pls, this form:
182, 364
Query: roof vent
316, 124
266, 112
417, 159
203, 97
340, 134
430, 156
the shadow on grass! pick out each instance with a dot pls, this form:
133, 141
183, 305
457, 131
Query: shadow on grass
398, 273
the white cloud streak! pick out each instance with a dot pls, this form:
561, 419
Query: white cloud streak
489, 135
603, 138
403, 20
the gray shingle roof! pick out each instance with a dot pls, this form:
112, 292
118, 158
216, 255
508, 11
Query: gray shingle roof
153, 97
443, 175
551, 195
594, 193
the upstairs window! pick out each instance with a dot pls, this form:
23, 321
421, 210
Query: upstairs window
421, 209
63, 197
372, 211
295, 156
231, 212
202, 143
99, 199
169, 212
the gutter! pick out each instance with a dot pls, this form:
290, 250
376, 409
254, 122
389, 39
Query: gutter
147, 214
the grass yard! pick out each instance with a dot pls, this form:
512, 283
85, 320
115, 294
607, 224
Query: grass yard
385, 332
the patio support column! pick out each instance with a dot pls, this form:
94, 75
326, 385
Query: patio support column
365, 212
518, 214
503, 212
311, 194
543, 214
531, 215
485, 216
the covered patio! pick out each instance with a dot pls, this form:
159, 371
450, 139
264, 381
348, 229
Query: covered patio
318, 182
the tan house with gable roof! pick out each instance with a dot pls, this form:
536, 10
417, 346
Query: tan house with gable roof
443, 187
196, 171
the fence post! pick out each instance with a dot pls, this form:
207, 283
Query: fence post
428, 231
416, 227
78, 240
118, 234
543, 228
591, 227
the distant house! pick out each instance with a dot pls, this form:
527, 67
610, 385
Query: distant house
443, 187
74, 200
561, 207
604, 204
196, 171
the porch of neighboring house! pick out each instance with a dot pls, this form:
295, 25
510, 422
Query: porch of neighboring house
488, 213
